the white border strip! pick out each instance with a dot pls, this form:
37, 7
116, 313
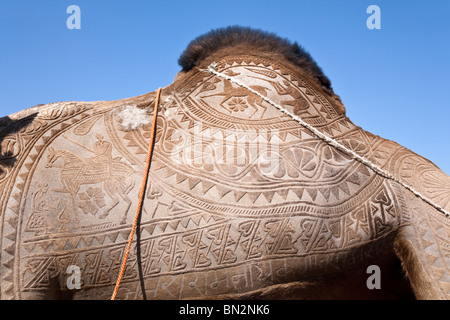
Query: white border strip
330, 141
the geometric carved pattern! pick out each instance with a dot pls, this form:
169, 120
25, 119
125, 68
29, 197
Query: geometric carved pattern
240, 197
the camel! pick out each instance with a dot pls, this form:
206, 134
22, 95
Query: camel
289, 198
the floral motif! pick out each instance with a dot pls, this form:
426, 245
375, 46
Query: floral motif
437, 186
290, 163
237, 104
92, 200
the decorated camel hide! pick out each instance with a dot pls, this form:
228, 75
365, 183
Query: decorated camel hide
242, 200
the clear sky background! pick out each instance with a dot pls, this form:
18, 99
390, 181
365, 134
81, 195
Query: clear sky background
395, 82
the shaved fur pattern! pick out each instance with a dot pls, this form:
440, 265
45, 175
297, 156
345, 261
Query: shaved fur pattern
233, 36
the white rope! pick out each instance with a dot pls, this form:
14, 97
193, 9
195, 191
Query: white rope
329, 140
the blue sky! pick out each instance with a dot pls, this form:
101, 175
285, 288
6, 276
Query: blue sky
394, 81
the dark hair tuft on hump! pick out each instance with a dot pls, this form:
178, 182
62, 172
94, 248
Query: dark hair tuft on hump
214, 40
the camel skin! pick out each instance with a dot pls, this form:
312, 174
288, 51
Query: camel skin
242, 202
